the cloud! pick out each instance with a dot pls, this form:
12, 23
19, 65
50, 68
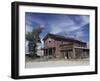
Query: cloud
85, 19
58, 23
69, 25
32, 21
79, 34
28, 28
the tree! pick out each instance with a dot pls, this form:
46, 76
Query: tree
33, 38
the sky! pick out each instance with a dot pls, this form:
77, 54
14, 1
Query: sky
69, 25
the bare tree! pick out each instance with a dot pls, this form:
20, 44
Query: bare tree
33, 38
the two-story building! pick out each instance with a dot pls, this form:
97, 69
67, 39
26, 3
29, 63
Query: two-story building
64, 47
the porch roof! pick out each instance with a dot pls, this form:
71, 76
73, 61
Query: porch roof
49, 48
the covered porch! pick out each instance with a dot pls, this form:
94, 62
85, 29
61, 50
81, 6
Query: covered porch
69, 51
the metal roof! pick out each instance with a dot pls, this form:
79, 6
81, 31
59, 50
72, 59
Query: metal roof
62, 38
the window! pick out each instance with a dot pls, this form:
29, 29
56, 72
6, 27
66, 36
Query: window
49, 41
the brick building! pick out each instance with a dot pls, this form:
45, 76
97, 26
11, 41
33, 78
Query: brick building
64, 47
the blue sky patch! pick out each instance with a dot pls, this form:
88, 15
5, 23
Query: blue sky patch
76, 26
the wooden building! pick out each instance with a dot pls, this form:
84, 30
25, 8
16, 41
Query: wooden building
58, 46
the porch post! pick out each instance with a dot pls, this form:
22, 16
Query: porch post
65, 57
54, 52
44, 52
48, 51
74, 56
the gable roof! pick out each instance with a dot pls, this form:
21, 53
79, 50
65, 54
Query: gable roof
62, 38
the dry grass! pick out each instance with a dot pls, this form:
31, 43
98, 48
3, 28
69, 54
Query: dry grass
38, 63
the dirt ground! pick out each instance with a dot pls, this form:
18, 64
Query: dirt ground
39, 63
